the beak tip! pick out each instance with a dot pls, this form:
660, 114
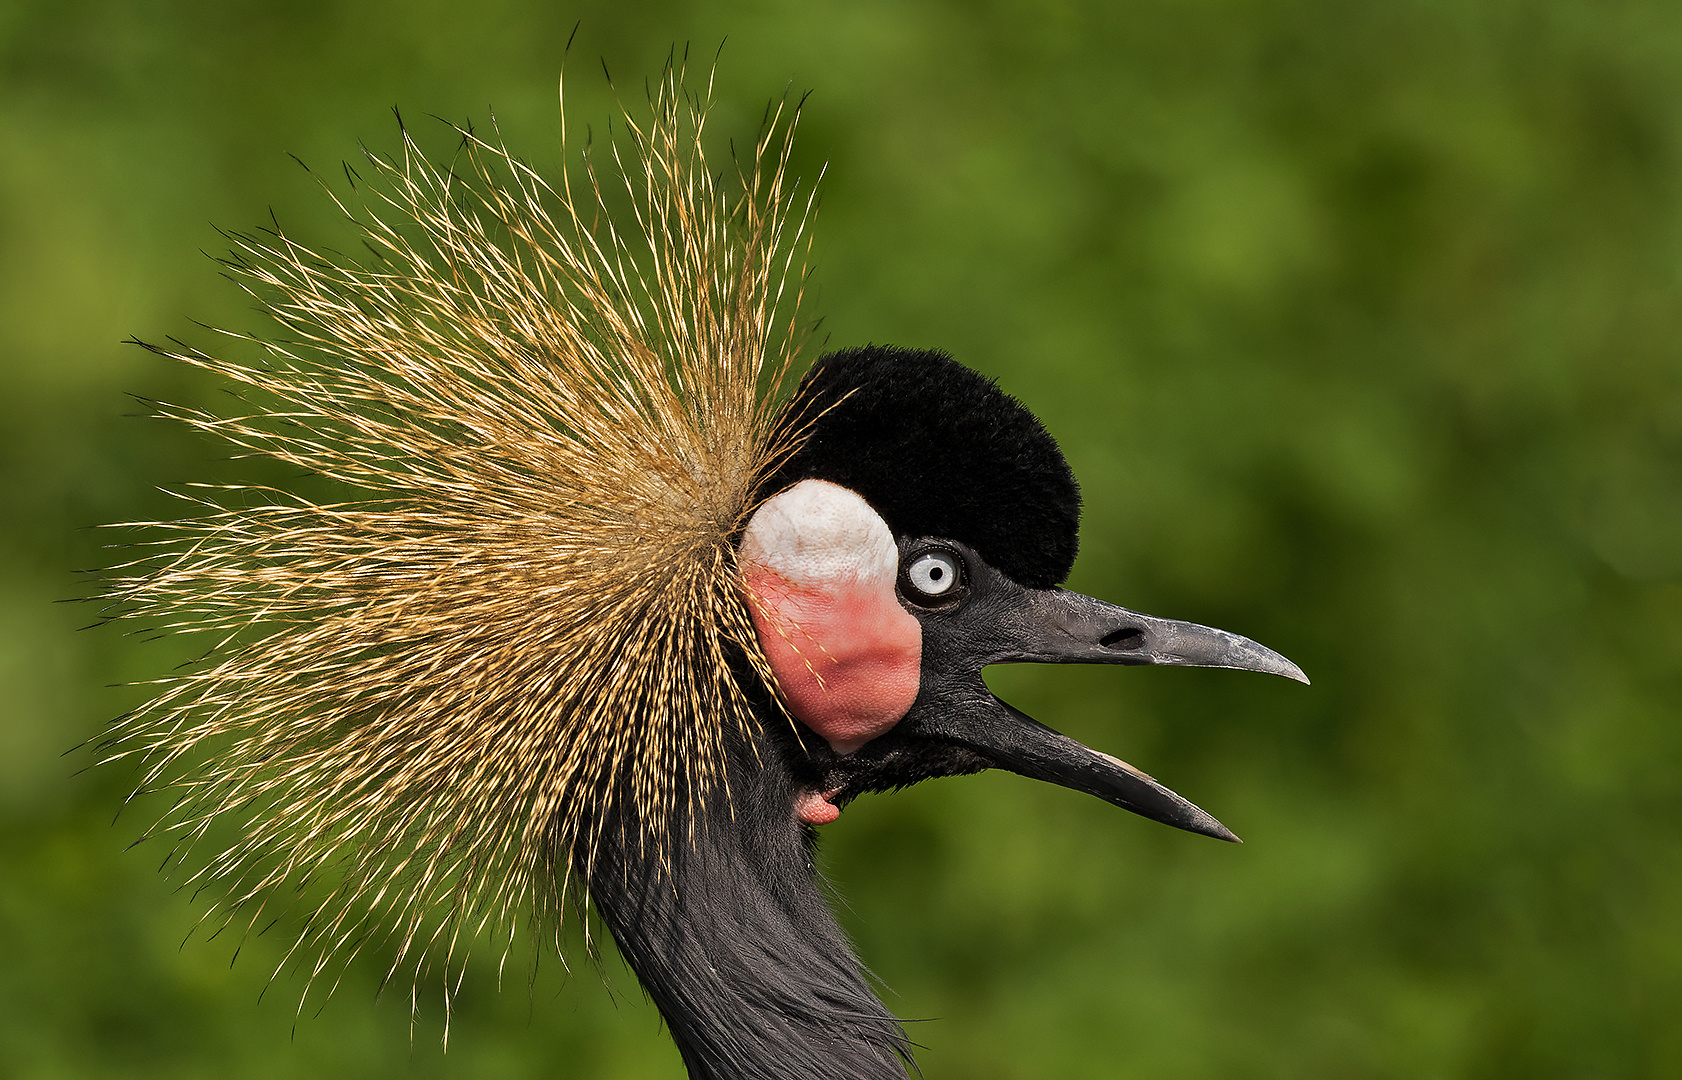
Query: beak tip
1266, 660
1220, 832
1204, 823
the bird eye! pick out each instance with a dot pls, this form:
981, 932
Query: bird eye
933, 573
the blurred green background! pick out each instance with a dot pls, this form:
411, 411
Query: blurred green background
1360, 325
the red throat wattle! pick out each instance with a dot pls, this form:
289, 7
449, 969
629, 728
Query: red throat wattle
820, 567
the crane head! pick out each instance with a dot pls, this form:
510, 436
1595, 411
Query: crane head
918, 535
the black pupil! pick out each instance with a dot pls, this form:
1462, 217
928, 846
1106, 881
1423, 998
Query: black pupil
936, 572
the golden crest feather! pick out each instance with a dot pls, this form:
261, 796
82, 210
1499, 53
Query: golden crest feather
551, 427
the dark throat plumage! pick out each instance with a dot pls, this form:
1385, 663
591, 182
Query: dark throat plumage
736, 943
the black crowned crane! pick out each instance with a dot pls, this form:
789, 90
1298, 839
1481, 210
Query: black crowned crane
591, 611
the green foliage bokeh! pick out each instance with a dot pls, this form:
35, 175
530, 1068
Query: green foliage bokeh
1359, 323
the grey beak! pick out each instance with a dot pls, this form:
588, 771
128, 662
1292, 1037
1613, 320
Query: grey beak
1055, 626
1018, 743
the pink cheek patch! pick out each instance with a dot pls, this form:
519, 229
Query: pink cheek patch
846, 662
820, 567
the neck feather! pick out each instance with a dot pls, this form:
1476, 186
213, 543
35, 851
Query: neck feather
737, 946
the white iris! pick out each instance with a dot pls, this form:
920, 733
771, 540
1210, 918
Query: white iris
933, 573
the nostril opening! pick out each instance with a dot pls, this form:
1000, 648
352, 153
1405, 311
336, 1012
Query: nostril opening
1124, 640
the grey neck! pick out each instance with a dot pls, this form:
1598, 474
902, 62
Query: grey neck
738, 948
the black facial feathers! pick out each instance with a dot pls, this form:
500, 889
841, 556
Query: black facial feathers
938, 450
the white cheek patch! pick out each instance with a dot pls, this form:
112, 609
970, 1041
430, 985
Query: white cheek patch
820, 567
818, 533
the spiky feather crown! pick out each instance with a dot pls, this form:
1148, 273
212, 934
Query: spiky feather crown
552, 426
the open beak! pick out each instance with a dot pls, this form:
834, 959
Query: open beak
1056, 626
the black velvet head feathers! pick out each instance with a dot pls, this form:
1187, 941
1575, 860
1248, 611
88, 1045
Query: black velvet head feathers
938, 450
